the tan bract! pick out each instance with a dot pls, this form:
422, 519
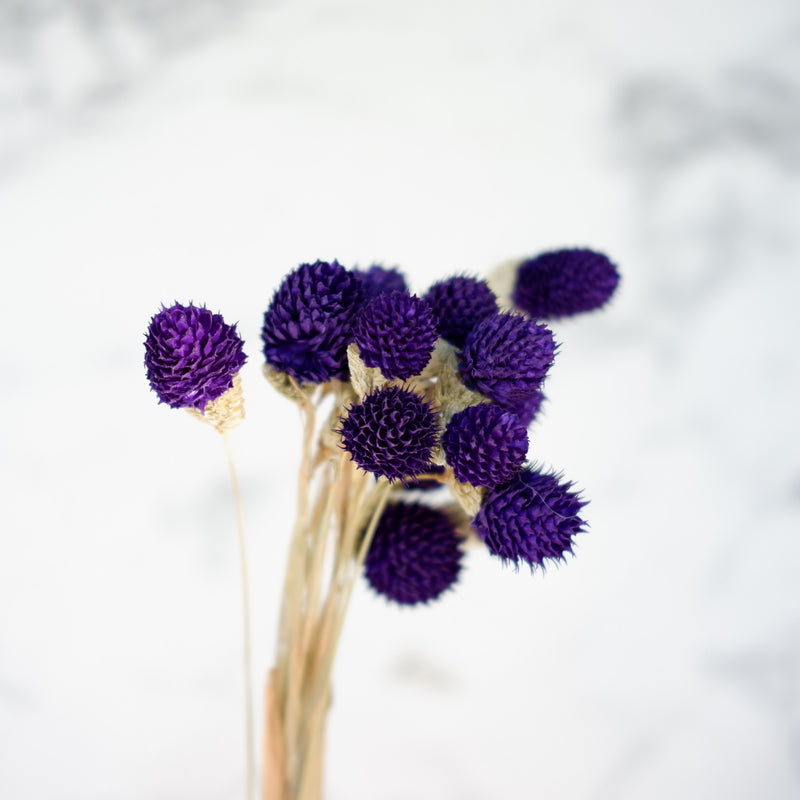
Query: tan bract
227, 411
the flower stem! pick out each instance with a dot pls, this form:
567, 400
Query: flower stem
338, 507
248, 675
339, 599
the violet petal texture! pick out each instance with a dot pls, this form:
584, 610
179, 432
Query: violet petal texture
532, 518
485, 445
506, 358
415, 555
308, 324
458, 304
377, 280
391, 433
562, 283
396, 332
191, 356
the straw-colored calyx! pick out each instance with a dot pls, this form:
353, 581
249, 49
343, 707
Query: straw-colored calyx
451, 395
227, 411
363, 378
501, 281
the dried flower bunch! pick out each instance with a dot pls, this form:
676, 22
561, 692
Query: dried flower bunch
399, 393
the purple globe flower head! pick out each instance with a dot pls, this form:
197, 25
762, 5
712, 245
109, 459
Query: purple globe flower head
308, 324
396, 332
485, 445
391, 433
531, 518
191, 356
379, 280
506, 357
564, 282
415, 555
458, 304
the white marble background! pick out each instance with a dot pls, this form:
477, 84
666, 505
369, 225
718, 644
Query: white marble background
152, 151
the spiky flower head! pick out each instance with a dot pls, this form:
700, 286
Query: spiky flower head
378, 279
396, 332
531, 518
191, 356
391, 433
308, 324
415, 554
564, 282
458, 304
506, 357
485, 445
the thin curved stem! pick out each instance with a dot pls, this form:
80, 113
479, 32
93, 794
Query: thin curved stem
248, 673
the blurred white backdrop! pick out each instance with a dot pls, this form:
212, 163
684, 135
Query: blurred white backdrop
153, 151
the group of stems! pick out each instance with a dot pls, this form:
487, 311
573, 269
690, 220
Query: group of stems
338, 508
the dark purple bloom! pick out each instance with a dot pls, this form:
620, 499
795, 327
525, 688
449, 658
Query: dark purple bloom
485, 445
415, 555
531, 518
506, 357
458, 304
392, 433
396, 332
308, 324
191, 356
564, 282
379, 280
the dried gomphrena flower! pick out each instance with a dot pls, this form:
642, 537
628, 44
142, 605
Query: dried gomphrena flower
485, 445
396, 332
506, 358
391, 433
415, 554
308, 324
191, 356
564, 282
458, 304
377, 280
531, 518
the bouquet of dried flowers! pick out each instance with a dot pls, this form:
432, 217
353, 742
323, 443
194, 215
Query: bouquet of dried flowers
399, 395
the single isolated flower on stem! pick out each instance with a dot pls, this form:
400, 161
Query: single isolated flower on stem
193, 358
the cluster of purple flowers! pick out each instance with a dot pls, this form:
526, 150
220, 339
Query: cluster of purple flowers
405, 430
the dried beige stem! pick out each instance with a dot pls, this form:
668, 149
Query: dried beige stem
338, 505
344, 588
275, 783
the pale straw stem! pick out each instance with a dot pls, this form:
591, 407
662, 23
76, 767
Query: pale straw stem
291, 593
319, 546
248, 675
344, 589
351, 515
290, 656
